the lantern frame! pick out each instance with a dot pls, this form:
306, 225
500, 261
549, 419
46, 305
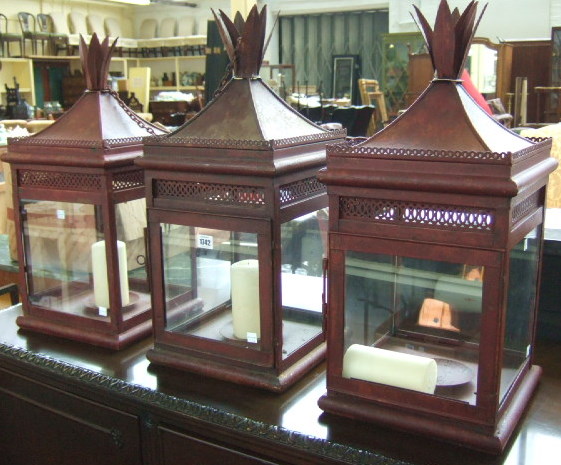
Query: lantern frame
84, 163
247, 163
441, 190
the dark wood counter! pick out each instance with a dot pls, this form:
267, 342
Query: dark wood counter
66, 403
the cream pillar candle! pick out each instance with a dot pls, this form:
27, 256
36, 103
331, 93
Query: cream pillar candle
100, 279
244, 277
392, 368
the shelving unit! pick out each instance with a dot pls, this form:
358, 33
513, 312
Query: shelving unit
118, 64
177, 65
22, 70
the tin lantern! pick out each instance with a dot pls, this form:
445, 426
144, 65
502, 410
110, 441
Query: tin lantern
237, 221
80, 217
435, 238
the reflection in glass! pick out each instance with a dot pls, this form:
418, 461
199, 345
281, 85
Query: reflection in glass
482, 67
131, 223
211, 281
58, 237
303, 242
523, 270
402, 313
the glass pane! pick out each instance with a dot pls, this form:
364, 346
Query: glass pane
413, 323
211, 280
131, 222
523, 270
303, 243
59, 237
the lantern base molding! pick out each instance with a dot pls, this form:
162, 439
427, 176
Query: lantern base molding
454, 431
113, 341
227, 370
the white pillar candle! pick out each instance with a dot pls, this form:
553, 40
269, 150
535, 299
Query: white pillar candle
100, 278
245, 299
397, 369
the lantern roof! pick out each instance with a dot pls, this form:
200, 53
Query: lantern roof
445, 117
245, 112
446, 125
98, 120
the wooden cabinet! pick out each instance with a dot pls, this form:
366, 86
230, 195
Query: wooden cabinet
531, 59
66, 403
421, 73
48, 426
177, 447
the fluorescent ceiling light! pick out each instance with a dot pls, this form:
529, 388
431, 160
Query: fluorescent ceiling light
132, 2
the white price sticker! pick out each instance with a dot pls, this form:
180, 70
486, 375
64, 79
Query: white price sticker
102, 311
204, 241
60, 214
252, 338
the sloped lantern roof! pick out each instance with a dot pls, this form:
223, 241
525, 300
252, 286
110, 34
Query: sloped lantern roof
100, 123
246, 113
443, 126
445, 117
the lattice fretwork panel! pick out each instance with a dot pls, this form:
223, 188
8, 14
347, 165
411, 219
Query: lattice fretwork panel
210, 192
521, 209
300, 190
128, 180
52, 180
417, 214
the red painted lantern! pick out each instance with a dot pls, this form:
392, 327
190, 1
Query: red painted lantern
435, 237
80, 216
236, 219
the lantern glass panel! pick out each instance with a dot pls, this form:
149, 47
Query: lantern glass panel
303, 242
211, 281
523, 275
58, 239
131, 249
418, 309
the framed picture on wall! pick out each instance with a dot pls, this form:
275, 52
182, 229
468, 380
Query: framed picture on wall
346, 70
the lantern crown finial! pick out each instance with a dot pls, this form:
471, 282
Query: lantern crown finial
448, 43
244, 40
95, 60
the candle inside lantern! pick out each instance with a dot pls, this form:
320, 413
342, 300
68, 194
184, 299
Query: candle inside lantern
245, 299
397, 369
100, 278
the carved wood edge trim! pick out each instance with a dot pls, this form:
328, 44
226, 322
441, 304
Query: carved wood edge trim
309, 444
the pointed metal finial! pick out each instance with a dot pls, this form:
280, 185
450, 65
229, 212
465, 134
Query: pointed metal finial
448, 43
244, 40
95, 60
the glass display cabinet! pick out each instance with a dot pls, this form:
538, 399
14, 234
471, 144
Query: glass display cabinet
81, 215
435, 237
237, 228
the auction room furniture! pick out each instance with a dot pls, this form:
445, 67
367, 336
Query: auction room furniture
6, 38
30, 31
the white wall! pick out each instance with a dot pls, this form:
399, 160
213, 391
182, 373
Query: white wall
11, 8
296, 7
201, 12
503, 19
